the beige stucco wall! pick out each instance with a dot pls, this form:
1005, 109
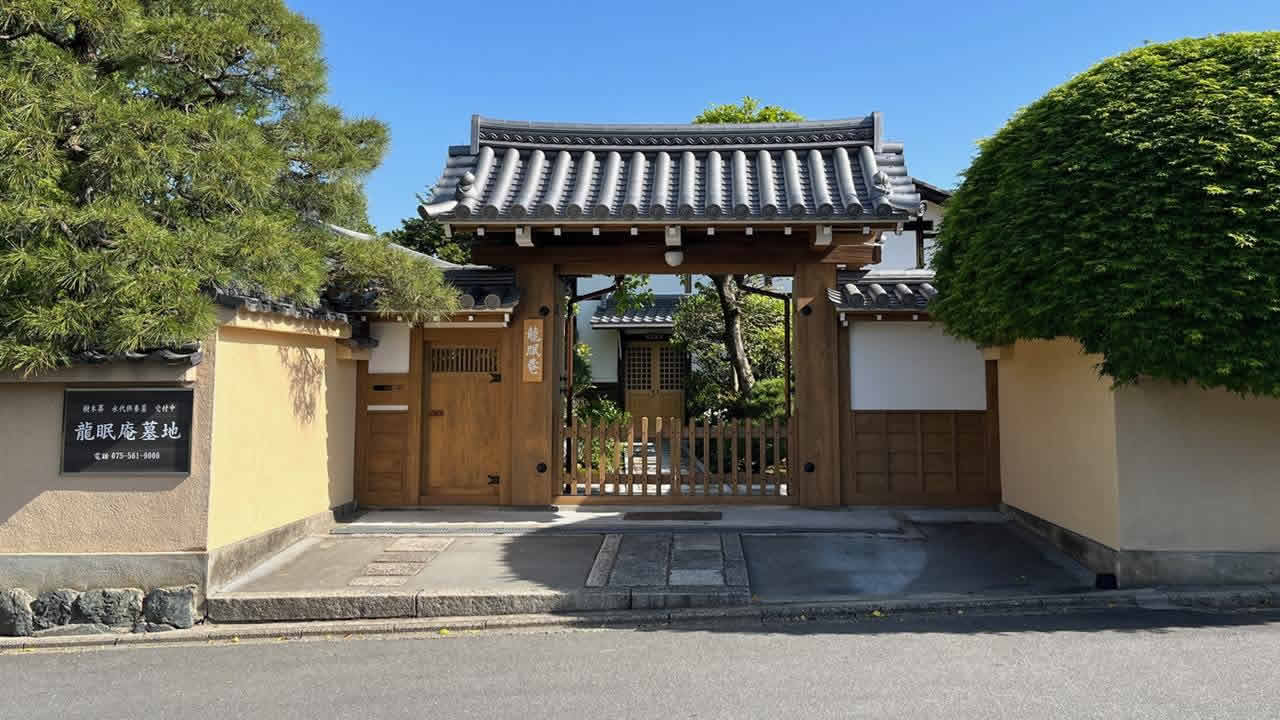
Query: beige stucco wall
1058, 438
42, 511
1199, 469
284, 431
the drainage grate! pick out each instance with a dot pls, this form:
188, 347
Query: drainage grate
686, 515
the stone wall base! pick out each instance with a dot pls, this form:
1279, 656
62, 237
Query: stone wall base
1137, 568
231, 561
38, 572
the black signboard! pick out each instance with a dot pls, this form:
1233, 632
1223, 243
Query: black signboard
126, 431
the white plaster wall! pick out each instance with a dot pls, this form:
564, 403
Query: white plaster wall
392, 353
604, 343
899, 252
914, 366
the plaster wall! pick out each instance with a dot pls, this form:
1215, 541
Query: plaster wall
284, 432
1199, 469
1058, 455
43, 511
392, 353
913, 366
604, 344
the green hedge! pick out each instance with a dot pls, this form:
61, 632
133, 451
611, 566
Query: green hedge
1135, 208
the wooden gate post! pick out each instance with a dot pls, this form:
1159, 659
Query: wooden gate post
534, 389
815, 463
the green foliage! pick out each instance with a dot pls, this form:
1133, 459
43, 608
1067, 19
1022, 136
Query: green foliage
599, 411
153, 150
699, 330
767, 400
581, 370
1135, 208
748, 111
428, 236
633, 293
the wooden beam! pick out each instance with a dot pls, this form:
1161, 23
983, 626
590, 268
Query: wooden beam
414, 469
534, 405
524, 236
823, 236
817, 456
772, 253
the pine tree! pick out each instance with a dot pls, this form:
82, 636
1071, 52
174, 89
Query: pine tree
152, 151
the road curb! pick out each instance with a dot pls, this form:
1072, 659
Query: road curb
1216, 599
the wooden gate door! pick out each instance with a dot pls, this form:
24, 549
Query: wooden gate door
466, 428
654, 380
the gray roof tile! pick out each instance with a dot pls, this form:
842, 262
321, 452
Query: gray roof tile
660, 314
516, 172
878, 291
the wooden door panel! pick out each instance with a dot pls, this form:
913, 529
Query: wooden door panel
464, 422
654, 378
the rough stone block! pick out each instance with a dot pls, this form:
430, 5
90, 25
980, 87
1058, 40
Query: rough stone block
173, 606
53, 608
112, 606
15, 612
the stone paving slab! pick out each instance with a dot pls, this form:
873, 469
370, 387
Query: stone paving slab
378, 581
704, 576
643, 559
420, 544
698, 541
411, 556
393, 568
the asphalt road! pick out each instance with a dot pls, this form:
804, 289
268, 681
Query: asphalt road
1110, 665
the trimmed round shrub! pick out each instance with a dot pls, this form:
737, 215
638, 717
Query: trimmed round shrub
1135, 208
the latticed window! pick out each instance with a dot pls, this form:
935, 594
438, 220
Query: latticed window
464, 360
639, 367
670, 369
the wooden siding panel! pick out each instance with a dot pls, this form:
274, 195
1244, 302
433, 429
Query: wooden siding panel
934, 458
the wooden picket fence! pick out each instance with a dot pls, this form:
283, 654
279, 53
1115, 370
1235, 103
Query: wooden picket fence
668, 458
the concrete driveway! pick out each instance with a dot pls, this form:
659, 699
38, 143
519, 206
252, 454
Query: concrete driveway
953, 558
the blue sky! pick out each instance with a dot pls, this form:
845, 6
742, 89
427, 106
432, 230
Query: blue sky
944, 74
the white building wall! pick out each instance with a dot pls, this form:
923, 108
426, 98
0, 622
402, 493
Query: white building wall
604, 343
914, 366
392, 353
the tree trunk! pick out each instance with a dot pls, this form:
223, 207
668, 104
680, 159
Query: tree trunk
727, 289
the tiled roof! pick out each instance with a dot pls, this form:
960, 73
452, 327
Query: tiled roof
878, 291
660, 314
257, 302
484, 288
189, 354
518, 172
